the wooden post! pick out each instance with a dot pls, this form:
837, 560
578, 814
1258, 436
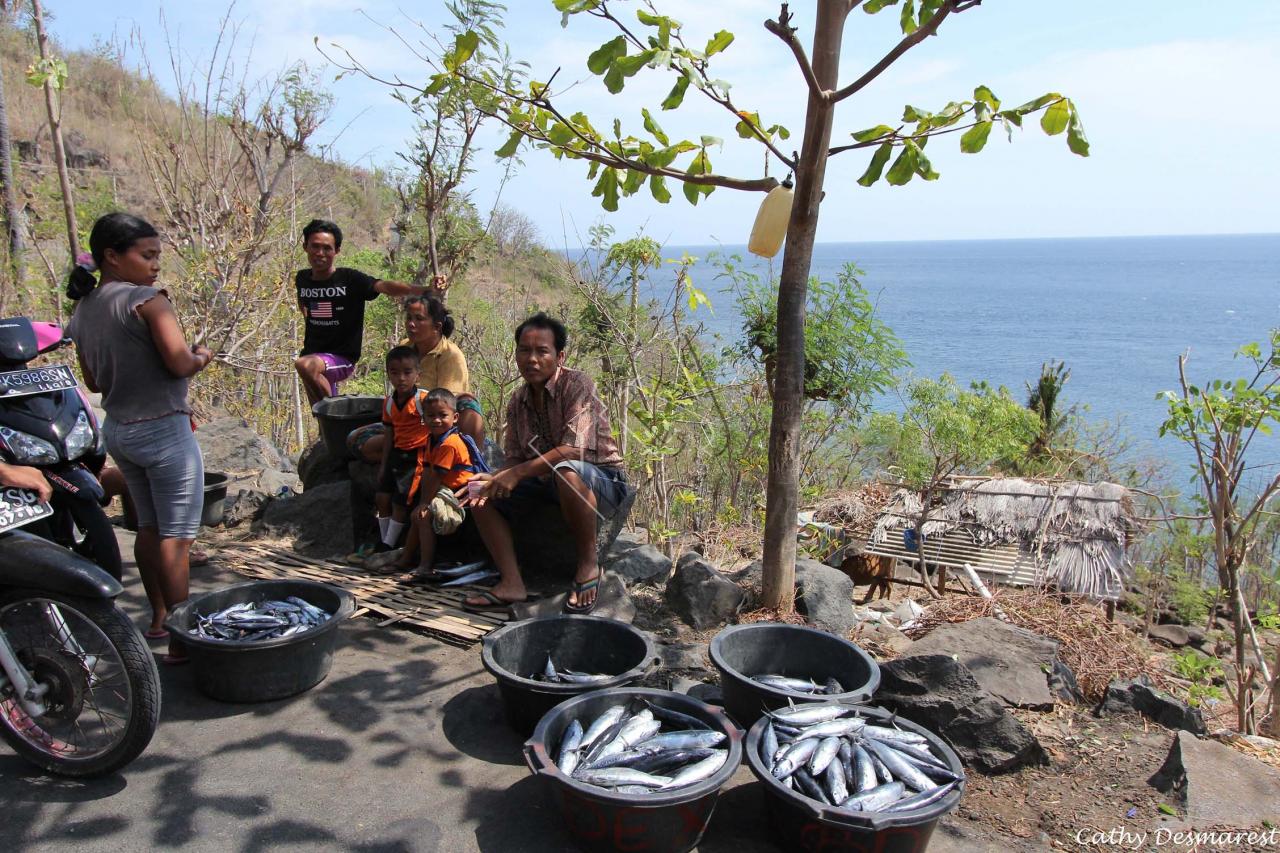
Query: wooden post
782, 492
55, 128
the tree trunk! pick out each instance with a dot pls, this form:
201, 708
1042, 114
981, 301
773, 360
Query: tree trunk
55, 128
12, 214
782, 492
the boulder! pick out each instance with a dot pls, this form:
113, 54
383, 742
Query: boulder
685, 657
943, 696
1218, 785
241, 506
1063, 684
318, 520
1195, 636
613, 602
1173, 636
825, 596
363, 482
886, 635
1008, 662
700, 595
251, 462
317, 466
1137, 695
544, 546
642, 563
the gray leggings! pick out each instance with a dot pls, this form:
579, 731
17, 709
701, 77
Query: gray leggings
164, 470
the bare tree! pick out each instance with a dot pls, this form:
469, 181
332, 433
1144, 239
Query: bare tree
51, 73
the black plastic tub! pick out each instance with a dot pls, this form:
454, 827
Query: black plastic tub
338, 417
238, 671
772, 648
215, 497
582, 643
807, 825
599, 819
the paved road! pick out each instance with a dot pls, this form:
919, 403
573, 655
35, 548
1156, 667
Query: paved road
402, 748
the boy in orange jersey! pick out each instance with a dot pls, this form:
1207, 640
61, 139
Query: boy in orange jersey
404, 413
452, 459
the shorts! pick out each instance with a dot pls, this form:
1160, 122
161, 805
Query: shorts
338, 368
164, 471
400, 479
609, 485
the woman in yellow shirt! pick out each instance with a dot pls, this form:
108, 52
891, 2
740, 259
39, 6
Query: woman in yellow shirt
441, 365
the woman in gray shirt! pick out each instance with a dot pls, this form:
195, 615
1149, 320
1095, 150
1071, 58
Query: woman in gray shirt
132, 349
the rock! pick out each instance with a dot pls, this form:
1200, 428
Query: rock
1195, 636
317, 466
1218, 785
1138, 695
1063, 684
683, 656
276, 483
1008, 662
943, 696
613, 603
363, 479
825, 596
244, 505
680, 684
700, 595
640, 564
544, 546
250, 461
1173, 636
888, 636
318, 520
881, 606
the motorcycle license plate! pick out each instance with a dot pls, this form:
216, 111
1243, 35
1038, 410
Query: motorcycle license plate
19, 507
38, 380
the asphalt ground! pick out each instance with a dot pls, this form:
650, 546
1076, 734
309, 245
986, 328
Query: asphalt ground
402, 748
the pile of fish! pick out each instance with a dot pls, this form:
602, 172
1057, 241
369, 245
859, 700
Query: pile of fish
268, 620
830, 754
830, 687
549, 673
641, 749
467, 573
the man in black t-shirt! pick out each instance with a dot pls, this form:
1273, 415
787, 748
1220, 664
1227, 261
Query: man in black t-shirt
332, 301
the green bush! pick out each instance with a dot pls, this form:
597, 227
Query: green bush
1189, 600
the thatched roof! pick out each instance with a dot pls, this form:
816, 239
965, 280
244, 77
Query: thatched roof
1076, 532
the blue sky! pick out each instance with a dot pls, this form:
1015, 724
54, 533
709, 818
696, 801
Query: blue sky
1179, 99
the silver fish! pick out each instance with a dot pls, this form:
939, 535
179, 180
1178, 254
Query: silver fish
581, 677
794, 757
683, 740
875, 799
623, 776
768, 743
804, 715
809, 786
833, 728
920, 753
569, 748
464, 569
885, 733
601, 725
831, 687
782, 682
669, 759
636, 730
676, 718
864, 772
836, 785
704, 769
828, 749
904, 770
477, 576
921, 799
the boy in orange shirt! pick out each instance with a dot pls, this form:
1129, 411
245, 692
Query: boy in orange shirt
451, 460
404, 413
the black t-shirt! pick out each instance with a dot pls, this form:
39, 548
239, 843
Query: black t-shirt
334, 311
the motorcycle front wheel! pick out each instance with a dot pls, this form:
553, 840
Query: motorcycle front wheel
101, 691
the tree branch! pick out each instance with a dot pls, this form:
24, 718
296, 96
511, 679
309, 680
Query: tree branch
782, 29
899, 49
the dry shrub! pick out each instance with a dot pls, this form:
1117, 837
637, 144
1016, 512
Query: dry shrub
1096, 650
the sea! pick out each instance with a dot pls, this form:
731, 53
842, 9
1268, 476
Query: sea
1118, 311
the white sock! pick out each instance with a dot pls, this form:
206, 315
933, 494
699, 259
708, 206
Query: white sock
392, 536
383, 521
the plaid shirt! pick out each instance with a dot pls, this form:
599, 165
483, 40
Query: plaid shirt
573, 415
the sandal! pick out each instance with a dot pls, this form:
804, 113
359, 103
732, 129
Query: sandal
174, 660
492, 604
581, 587
156, 634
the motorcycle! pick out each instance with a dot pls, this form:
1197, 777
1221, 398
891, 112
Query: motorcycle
79, 690
46, 422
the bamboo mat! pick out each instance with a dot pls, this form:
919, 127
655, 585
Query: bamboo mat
435, 611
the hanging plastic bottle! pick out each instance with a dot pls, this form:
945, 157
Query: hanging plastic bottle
771, 221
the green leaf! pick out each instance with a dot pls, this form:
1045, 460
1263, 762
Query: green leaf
719, 42
1167, 809
984, 95
560, 134
676, 95
613, 80
973, 139
928, 9
658, 186
924, 168
1038, 103
873, 6
904, 167
653, 128
1076, 140
908, 19
746, 129
1055, 119
708, 141
649, 20
876, 166
464, 46
607, 190
509, 147
873, 133
1012, 116
914, 114
633, 182
629, 65
604, 55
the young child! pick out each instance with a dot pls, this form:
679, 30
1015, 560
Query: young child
452, 459
404, 413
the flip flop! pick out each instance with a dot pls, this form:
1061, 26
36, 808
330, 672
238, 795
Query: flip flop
156, 634
585, 586
492, 604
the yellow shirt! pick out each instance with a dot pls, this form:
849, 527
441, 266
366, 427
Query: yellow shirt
445, 367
